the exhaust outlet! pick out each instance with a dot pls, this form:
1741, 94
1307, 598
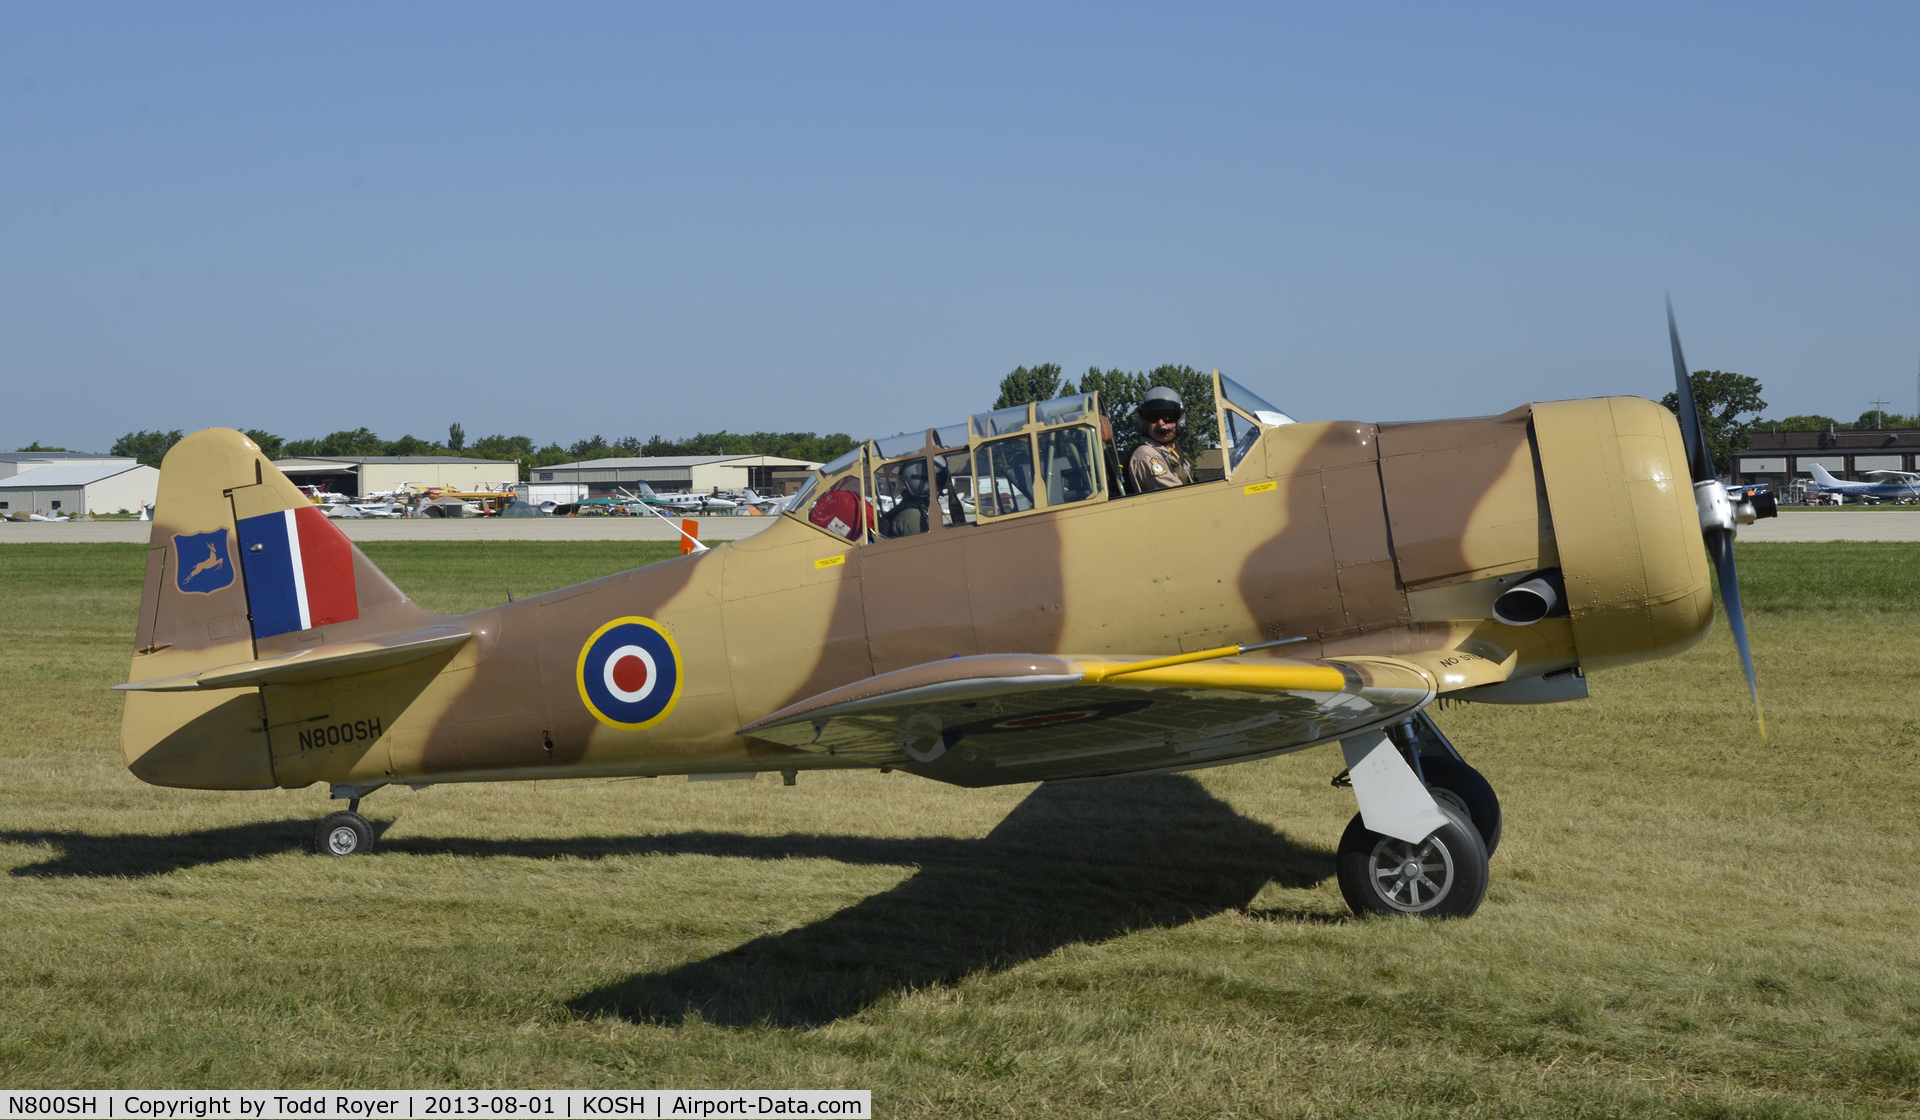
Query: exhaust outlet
1531, 601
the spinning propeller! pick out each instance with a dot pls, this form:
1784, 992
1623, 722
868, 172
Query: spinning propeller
1721, 513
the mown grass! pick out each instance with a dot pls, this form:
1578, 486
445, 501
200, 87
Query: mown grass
1682, 921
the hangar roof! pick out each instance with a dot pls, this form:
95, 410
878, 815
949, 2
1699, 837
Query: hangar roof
66, 474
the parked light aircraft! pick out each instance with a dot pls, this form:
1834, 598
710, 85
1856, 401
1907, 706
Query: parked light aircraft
1897, 485
1340, 578
754, 500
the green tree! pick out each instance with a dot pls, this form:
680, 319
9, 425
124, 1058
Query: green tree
1120, 394
456, 436
499, 446
270, 445
595, 448
360, 441
411, 445
1024, 386
1807, 423
549, 455
1872, 420
1722, 399
791, 445
36, 446
148, 447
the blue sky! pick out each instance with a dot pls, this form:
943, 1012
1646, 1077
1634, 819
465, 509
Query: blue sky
562, 220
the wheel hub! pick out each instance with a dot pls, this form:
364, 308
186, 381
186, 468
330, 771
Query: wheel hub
343, 840
1411, 877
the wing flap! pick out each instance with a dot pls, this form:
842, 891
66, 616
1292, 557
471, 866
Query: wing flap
318, 664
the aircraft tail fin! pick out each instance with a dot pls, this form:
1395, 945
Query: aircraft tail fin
240, 566
1823, 476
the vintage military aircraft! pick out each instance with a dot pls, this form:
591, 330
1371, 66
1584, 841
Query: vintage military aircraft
1016, 616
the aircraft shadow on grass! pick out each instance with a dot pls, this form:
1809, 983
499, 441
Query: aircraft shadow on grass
1071, 864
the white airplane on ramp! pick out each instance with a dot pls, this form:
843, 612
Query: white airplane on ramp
1898, 484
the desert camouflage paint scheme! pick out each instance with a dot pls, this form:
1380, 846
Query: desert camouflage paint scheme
973, 653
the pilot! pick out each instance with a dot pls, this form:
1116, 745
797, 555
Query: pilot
1156, 464
909, 513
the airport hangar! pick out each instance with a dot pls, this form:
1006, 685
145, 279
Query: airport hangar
13, 462
669, 474
356, 476
1778, 458
77, 486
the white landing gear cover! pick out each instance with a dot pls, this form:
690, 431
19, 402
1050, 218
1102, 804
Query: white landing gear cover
1392, 800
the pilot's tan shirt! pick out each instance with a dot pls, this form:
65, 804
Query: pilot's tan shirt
1157, 468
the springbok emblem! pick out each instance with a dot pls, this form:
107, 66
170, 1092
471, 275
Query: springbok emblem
206, 576
213, 560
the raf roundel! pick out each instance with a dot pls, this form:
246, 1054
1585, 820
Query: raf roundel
629, 673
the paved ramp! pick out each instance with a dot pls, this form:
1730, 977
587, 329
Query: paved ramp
427, 529
1835, 525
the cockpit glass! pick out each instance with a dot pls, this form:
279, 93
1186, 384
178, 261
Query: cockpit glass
842, 463
953, 435
1063, 410
906, 444
1242, 434
1240, 397
1004, 477
799, 499
1001, 423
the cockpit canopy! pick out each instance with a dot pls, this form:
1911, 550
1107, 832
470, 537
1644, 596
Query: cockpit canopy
1000, 464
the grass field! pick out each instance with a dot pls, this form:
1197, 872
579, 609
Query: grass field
1682, 921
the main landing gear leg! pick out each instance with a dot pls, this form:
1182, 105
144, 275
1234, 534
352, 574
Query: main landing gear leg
1416, 846
1448, 776
346, 833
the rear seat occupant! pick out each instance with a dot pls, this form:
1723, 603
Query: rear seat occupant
908, 516
1156, 464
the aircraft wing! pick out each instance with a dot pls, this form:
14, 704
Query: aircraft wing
999, 718
1908, 475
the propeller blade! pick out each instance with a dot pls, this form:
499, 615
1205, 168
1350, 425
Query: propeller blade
1719, 539
1720, 546
1699, 459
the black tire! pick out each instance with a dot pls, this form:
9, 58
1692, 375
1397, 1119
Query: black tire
1473, 791
1451, 878
343, 834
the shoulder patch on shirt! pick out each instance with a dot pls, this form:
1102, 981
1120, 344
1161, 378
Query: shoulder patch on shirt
1156, 466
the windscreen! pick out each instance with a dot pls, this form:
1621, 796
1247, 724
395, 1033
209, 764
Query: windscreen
1241, 397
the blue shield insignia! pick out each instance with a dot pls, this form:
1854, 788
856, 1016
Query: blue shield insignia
202, 564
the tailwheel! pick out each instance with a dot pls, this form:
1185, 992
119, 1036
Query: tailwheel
343, 834
1442, 876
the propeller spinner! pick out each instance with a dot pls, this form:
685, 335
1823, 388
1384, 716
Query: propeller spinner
1721, 513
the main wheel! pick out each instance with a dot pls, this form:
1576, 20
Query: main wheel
1470, 791
1443, 876
343, 834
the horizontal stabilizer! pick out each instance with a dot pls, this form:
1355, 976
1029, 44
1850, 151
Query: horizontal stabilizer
318, 664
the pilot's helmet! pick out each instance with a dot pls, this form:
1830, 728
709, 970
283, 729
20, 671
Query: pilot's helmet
913, 477
1160, 400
